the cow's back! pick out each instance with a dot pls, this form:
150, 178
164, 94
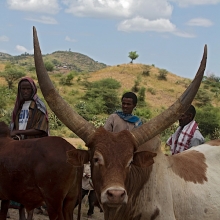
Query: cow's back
38, 169
183, 186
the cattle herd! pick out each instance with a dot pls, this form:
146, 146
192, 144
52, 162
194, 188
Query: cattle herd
132, 177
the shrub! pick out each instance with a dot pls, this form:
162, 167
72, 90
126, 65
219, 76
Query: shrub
151, 90
135, 88
49, 66
162, 74
202, 98
67, 80
209, 120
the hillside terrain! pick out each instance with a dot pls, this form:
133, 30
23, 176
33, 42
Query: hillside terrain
66, 60
159, 93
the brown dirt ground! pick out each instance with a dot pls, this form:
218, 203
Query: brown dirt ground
96, 216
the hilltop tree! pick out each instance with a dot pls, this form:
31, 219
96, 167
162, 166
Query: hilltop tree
11, 74
133, 55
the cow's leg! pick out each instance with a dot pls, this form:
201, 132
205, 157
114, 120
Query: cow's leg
22, 213
54, 210
4, 209
30, 214
68, 207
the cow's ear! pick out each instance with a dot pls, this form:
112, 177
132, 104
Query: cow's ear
77, 157
143, 158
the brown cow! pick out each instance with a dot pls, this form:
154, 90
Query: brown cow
36, 170
134, 183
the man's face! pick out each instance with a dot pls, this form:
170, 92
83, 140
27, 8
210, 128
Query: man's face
26, 90
185, 119
127, 105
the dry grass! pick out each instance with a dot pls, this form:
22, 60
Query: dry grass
166, 92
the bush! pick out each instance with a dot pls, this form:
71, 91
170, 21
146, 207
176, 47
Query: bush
202, 98
208, 119
162, 74
67, 80
49, 66
143, 113
135, 88
152, 91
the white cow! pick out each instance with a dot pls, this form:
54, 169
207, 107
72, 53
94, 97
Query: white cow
135, 184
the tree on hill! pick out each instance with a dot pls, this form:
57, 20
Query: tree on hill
11, 74
133, 55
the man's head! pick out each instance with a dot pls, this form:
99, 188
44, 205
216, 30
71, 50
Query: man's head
129, 102
188, 116
27, 88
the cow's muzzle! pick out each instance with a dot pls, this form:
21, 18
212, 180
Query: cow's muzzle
114, 196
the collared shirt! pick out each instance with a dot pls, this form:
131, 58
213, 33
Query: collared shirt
116, 124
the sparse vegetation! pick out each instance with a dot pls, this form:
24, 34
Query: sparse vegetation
162, 74
96, 94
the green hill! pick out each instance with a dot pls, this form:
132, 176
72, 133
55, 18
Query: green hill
62, 60
160, 93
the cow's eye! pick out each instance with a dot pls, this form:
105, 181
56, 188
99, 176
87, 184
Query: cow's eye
96, 160
130, 163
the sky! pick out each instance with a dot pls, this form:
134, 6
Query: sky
170, 34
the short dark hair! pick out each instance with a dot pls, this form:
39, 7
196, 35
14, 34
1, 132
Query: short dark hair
191, 110
130, 95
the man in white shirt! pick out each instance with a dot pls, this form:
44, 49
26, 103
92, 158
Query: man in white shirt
187, 134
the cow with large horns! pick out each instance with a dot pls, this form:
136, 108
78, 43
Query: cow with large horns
34, 171
134, 183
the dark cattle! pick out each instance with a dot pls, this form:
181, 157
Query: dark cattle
36, 170
136, 182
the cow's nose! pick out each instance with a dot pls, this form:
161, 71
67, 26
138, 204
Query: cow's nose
116, 196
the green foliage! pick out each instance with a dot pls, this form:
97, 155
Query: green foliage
209, 120
107, 83
55, 123
133, 55
98, 121
67, 80
141, 94
49, 66
211, 78
55, 62
144, 113
168, 132
11, 74
137, 82
31, 68
202, 98
151, 90
101, 97
162, 74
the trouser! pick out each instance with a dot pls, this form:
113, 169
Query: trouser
91, 198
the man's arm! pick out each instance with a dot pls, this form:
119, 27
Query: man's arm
109, 124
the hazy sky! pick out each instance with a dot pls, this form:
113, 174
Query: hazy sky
170, 34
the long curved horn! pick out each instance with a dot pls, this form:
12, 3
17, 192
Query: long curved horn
59, 106
158, 124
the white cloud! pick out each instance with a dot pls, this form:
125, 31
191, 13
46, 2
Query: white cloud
41, 6
142, 25
184, 3
4, 38
67, 38
22, 49
183, 34
139, 24
202, 22
44, 20
119, 8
